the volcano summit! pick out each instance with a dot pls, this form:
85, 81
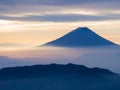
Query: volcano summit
80, 37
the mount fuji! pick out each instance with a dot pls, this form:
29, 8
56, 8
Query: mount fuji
80, 37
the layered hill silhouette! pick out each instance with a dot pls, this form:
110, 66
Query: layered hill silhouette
81, 36
39, 70
57, 77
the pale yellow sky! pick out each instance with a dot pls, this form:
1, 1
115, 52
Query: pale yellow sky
16, 33
26, 23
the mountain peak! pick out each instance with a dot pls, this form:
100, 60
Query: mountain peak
82, 29
82, 36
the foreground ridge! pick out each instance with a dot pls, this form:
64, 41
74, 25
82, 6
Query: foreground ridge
57, 77
38, 70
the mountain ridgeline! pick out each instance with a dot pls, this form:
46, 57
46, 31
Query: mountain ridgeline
57, 77
39, 70
80, 37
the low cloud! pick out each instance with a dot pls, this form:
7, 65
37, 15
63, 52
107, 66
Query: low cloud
103, 57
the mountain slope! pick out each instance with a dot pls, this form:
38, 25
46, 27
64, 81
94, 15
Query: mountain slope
80, 37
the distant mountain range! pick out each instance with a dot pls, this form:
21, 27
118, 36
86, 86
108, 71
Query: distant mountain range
80, 37
57, 77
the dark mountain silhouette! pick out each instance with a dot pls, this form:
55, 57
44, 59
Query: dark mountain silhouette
57, 77
38, 70
80, 37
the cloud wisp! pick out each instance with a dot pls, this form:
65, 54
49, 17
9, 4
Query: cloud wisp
59, 10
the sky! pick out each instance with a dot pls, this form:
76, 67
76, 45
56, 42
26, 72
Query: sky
28, 23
